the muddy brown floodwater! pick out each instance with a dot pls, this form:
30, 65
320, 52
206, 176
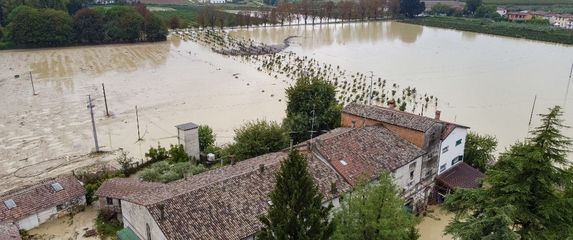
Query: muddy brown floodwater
483, 81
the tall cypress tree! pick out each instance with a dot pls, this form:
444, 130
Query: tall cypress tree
528, 194
296, 211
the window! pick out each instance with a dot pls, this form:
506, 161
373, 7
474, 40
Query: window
445, 149
59, 207
344, 163
411, 174
57, 186
10, 203
458, 142
353, 123
443, 167
148, 231
109, 201
457, 159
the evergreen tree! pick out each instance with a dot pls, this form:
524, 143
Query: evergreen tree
374, 211
307, 98
296, 211
527, 195
479, 150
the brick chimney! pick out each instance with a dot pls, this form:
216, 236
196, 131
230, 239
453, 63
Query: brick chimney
392, 104
438, 114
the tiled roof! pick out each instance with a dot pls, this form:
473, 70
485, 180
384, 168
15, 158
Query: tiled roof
39, 197
364, 152
461, 175
9, 231
122, 187
226, 203
391, 116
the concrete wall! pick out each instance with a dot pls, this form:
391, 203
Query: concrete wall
453, 150
402, 176
190, 141
137, 217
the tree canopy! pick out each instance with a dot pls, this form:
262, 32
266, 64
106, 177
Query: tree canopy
206, 137
257, 138
527, 191
40, 27
89, 26
411, 8
479, 150
374, 211
296, 210
472, 6
123, 23
308, 98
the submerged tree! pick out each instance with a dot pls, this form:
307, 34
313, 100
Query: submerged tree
296, 210
479, 150
526, 194
375, 211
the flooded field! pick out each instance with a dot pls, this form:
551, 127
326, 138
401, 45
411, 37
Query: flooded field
483, 81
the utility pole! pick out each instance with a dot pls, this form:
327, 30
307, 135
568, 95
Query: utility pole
32, 81
105, 100
137, 118
567, 89
531, 115
90, 105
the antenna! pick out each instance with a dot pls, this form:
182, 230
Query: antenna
567, 89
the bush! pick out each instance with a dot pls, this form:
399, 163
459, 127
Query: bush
123, 24
206, 137
149, 174
157, 154
40, 27
177, 154
165, 172
107, 223
258, 138
169, 176
155, 29
442, 9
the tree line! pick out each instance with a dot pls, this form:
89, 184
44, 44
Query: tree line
312, 12
36, 25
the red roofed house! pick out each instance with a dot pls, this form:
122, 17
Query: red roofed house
37, 204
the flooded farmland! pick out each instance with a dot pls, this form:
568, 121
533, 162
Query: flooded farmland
483, 81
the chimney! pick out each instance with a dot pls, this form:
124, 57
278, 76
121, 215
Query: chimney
162, 212
392, 104
438, 113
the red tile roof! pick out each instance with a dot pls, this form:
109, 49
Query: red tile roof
39, 197
366, 152
9, 231
391, 116
120, 188
461, 175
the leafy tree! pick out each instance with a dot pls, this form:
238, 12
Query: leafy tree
442, 9
89, 26
74, 5
296, 211
123, 23
411, 8
527, 194
155, 29
308, 98
125, 162
487, 11
472, 6
479, 150
374, 211
257, 138
40, 27
157, 154
174, 22
206, 137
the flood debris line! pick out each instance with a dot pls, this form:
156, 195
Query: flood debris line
352, 87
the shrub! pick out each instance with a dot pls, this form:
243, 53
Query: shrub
107, 223
149, 174
157, 154
206, 137
177, 154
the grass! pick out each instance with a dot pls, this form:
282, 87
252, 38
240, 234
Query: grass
187, 13
518, 30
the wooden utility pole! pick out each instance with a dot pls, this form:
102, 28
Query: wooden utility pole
567, 89
105, 100
137, 119
90, 106
32, 81
531, 115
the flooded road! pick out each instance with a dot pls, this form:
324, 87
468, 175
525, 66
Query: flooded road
482, 81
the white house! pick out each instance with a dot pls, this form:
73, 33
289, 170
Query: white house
452, 146
34, 205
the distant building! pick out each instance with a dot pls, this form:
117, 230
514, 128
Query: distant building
501, 11
9, 231
557, 20
188, 136
37, 204
113, 191
213, 1
223, 203
519, 16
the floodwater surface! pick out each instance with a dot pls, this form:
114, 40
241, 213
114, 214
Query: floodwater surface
485, 82
482, 81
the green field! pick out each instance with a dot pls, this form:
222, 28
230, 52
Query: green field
509, 29
528, 2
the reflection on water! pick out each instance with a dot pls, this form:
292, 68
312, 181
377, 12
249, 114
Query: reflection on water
311, 37
486, 82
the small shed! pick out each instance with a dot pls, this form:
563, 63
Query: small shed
459, 176
188, 136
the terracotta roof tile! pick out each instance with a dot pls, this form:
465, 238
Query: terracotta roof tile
364, 152
9, 231
39, 197
391, 116
122, 187
461, 175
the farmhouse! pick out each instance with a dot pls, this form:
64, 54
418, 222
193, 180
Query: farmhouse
37, 204
223, 203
